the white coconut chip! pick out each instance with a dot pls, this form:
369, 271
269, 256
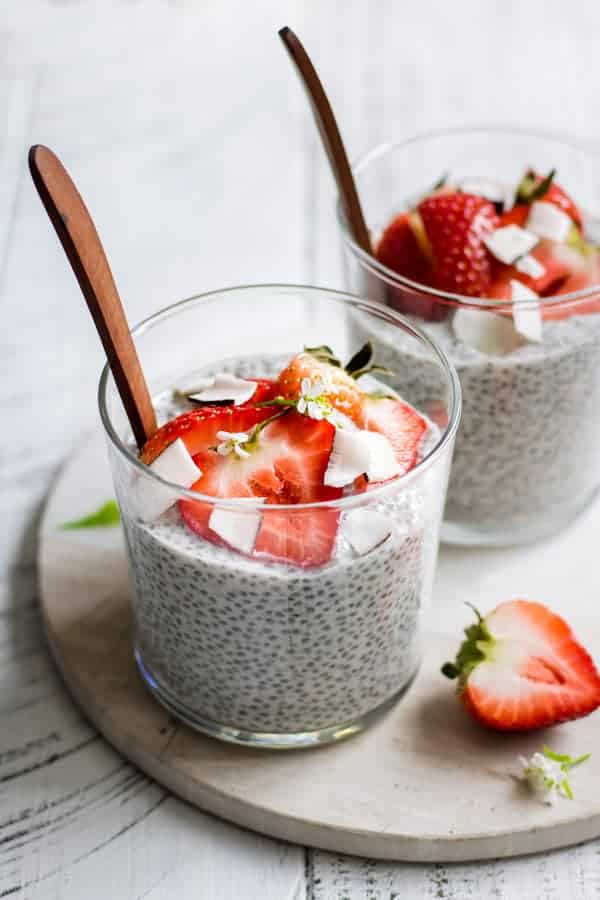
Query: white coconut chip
527, 317
548, 221
484, 187
510, 242
383, 464
224, 386
238, 529
357, 453
531, 266
365, 529
174, 464
486, 332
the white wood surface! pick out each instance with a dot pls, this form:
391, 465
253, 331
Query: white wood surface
190, 139
424, 784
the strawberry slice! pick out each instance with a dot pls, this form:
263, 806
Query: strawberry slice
455, 225
287, 464
399, 250
400, 423
198, 428
521, 668
558, 260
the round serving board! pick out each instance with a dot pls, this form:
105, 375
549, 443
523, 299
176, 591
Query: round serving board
424, 784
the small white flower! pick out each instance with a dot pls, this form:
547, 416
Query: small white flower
313, 401
231, 442
544, 777
546, 774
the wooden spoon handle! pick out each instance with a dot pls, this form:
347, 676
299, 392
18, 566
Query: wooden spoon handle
78, 235
330, 135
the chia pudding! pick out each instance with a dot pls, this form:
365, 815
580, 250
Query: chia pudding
505, 278
526, 452
244, 645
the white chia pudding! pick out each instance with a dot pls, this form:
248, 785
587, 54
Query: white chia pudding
526, 453
267, 647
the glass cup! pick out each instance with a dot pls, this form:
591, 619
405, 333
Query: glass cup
526, 460
243, 647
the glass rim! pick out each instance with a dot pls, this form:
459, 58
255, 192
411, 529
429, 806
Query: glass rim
355, 499
369, 262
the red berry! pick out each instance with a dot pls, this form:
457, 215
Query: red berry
455, 224
521, 668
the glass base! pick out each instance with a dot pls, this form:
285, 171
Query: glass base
474, 534
264, 739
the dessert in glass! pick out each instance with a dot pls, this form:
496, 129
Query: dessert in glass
487, 239
282, 524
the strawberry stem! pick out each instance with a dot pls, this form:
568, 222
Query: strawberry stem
475, 649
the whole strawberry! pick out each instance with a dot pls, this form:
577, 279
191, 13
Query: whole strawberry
521, 668
455, 225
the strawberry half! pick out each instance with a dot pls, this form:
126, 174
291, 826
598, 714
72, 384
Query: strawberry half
346, 396
521, 668
400, 423
455, 225
286, 464
535, 187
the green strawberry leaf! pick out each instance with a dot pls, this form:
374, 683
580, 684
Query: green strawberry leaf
104, 517
324, 354
360, 359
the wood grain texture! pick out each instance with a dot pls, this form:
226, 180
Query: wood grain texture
425, 783
149, 93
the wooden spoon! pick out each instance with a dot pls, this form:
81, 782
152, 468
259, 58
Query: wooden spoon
78, 235
332, 140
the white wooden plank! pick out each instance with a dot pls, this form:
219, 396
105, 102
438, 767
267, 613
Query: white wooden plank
172, 146
404, 70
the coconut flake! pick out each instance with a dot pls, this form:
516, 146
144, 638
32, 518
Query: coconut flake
222, 387
382, 459
174, 464
510, 242
365, 529
349, 458
486, 332
548, 221
527, 317
484, 187
357, 453
238, 529
531, 266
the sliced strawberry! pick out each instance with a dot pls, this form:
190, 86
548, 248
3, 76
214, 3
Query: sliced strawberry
455, 225
399, 250
521, 668
558, 260
303, 537
347, 397
400, 423
198, 428
287, 464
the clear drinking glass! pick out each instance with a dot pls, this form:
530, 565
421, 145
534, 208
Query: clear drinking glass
241, 647
526, 459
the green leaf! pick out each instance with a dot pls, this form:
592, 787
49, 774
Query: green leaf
530, 189
567, 788
476, 648
361, 359
325, 354
441, 182
104, 517
566, 762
